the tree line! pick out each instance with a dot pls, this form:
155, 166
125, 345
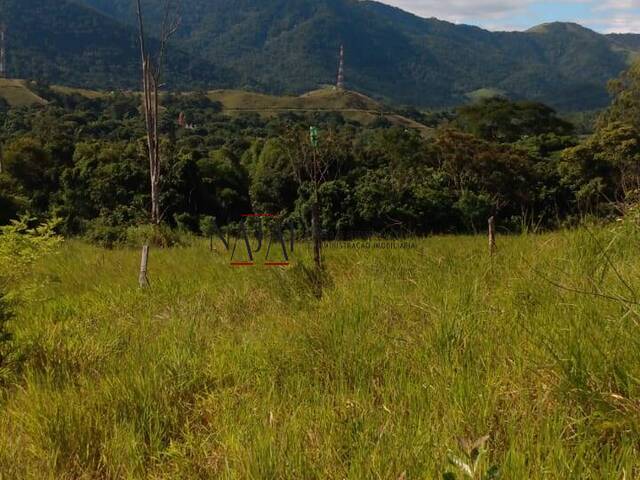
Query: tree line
82, 160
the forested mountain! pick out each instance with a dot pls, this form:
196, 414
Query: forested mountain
64, 42
291, 46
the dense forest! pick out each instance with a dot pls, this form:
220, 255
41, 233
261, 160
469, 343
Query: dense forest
83, 161
392, 53
67, 43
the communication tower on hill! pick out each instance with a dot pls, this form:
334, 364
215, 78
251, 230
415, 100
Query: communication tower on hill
3, 52
340, 84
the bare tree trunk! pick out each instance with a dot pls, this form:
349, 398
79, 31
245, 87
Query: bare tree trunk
316, 177
312, 161
151, 105
315, 233
492, 236
151, 74
143, 280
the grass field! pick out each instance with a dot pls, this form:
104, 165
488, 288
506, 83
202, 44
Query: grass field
352, 105
18, 94
323, 99
222, 373
92, 94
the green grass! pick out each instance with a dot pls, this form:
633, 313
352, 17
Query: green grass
223, 373
485, 93
352, 105
18, 94
322, 100
91, 94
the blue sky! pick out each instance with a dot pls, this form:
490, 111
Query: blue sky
604, 16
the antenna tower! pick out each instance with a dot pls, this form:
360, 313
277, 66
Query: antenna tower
3, 58
340, 84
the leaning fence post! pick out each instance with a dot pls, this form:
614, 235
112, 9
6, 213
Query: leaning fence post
492, 236
143, 280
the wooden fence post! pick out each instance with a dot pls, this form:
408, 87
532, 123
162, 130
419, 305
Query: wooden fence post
492, 236
143, 280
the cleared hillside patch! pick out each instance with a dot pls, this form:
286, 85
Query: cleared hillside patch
351, 105
18, 94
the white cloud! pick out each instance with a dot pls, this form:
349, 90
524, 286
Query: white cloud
616, 24
615, 16
603, 15
459, 10
618, 5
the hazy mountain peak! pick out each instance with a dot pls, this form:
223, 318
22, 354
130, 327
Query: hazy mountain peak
561, 27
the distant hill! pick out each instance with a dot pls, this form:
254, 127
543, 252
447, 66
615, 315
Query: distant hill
17, 93
60, 41
291, 46
629, 41
328, 99
351, 105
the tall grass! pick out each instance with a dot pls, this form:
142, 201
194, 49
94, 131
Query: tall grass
222, 373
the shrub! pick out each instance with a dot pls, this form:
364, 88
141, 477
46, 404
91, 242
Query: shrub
105, 235
155, 235
208, 226
109, 236
20, 247
186, 222
5, 335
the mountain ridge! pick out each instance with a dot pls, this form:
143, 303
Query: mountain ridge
291, 47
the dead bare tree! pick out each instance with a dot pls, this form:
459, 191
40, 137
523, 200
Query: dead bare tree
312, 159
152, 70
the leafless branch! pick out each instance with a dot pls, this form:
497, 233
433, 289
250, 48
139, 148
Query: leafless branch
151, 83
170, 25
586, 292
597, 294
610, 263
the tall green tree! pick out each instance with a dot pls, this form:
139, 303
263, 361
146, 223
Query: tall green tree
607, 165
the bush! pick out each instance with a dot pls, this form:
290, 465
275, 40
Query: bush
208, 226
21, 245
106, 236
5, 335
186, 222
155, 235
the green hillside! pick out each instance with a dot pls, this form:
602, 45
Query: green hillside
23, 93
323, 99
63, 42
288, 47
351, 105
18, 93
